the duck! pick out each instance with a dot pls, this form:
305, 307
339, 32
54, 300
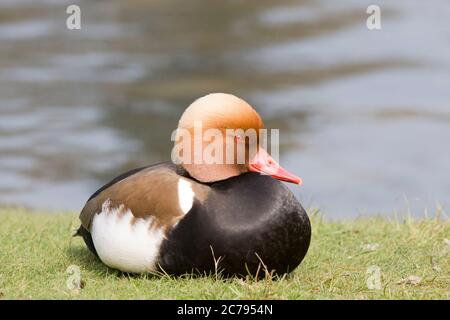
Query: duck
182, 217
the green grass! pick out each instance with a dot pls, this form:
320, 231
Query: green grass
36, 250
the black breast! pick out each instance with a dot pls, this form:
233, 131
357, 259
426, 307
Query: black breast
246, 221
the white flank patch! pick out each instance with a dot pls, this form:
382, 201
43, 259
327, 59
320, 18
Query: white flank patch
185, 195
123, 245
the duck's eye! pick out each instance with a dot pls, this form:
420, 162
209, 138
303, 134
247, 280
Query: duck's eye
269, 162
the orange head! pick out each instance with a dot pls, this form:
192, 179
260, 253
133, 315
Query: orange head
218, 137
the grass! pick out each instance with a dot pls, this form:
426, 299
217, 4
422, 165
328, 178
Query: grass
37, 254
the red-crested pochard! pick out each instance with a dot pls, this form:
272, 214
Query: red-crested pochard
183, 217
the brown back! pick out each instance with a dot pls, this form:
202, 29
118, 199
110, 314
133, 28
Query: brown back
151, 192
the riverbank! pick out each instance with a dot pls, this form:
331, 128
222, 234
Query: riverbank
367, 258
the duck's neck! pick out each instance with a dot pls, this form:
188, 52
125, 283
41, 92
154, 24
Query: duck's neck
210, 173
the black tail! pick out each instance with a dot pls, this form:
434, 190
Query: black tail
78, 233
82, 232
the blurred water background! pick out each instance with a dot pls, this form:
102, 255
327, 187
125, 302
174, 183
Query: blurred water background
364, 116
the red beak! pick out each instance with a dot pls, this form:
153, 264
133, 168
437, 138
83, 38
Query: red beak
265, 164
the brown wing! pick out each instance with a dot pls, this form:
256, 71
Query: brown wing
152, 191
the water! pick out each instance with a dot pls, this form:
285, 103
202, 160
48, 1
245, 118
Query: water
364, 115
